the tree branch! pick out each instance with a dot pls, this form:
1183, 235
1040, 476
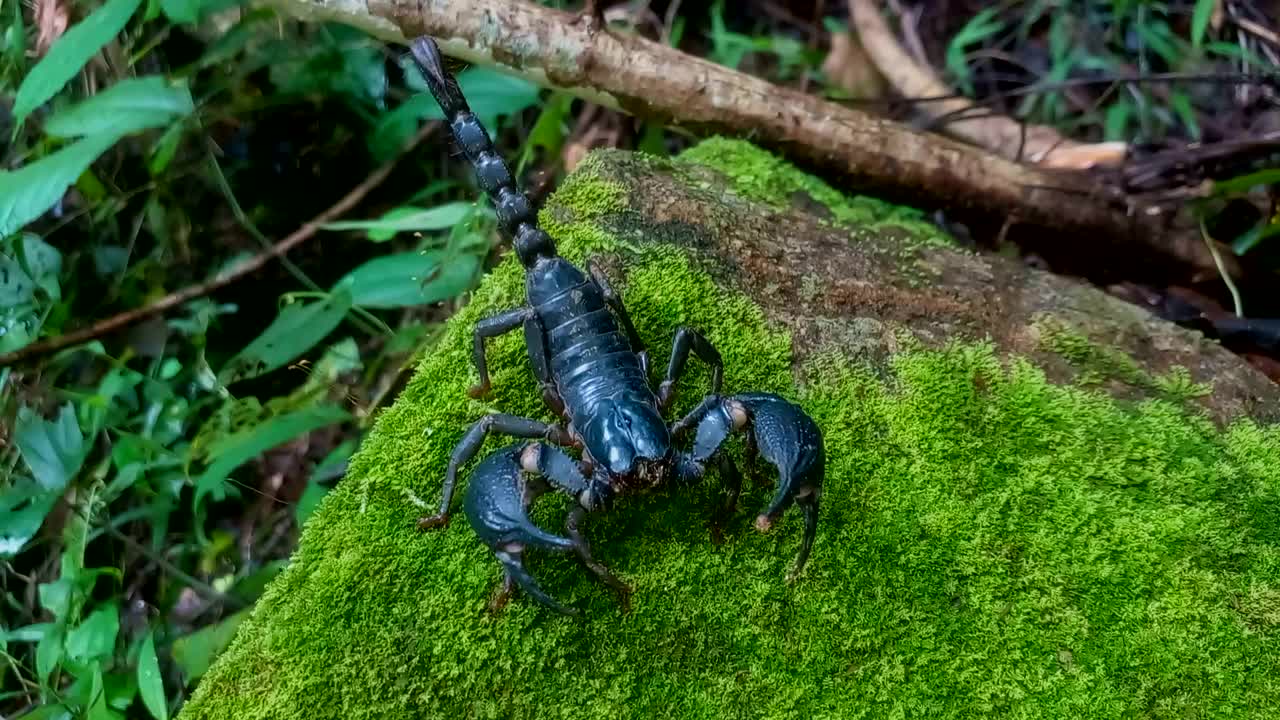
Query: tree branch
654, 81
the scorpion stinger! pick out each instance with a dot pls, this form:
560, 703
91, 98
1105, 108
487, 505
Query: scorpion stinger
594, 372
516, 215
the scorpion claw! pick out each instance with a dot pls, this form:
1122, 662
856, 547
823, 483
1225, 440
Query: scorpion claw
785, 436
502, 489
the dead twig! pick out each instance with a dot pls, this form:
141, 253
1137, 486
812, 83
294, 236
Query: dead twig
998, 133
199, 586
239, 272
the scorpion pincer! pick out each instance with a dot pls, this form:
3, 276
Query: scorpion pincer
593, 370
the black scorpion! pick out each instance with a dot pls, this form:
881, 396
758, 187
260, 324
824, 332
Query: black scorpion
594, 373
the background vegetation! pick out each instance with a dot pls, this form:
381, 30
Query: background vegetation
152, 481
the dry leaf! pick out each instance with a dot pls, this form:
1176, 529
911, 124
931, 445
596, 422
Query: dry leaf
51, 18
848, 68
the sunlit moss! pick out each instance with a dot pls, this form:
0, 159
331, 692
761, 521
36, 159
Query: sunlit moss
991, 545
764, 177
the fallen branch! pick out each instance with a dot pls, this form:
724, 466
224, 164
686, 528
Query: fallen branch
998, 133
648, 79
239, 272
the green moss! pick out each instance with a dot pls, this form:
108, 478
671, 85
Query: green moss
991, 545
1099, 363
764, 177
583, 198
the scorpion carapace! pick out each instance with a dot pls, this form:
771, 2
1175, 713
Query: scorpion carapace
594, 375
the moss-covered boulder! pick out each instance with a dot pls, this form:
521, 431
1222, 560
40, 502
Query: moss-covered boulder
1040, 502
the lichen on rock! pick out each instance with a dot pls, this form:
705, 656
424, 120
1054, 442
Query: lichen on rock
992, 543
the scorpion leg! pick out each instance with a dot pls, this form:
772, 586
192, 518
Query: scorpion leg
714, 427
493, 326
470, 445
687, 339
518, 576
535, 341
576, 516
615, 302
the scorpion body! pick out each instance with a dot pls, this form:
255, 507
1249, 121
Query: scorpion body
594, 373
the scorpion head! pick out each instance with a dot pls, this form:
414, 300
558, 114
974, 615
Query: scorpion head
631, 442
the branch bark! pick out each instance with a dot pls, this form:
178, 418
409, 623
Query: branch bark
651, 80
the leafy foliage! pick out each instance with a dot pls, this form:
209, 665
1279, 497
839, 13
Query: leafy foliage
1099, 40
153, 479
70, 54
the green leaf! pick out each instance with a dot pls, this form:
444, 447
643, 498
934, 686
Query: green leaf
1200, 20
1245, 183
236, 449
549, 132
308, 503
333, 466
1182, 106
13, 41
409, 279
1254, 235
69, 54
23, 507
120, 688
55, 596
43, 264
130, 105
1116, 125
408, 219
298, 328
28, 633
99, 697
26, 193
16, 287
149, 682
183, 12
96, 636
980, 27
49, 712
165, 148
54, 450
195, 652
1160, 39
489, 92
49, 652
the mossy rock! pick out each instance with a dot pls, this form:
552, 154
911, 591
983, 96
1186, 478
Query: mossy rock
1001, 535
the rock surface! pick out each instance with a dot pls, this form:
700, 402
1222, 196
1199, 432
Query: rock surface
1040, 501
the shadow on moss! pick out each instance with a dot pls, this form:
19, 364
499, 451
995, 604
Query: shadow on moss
991, 545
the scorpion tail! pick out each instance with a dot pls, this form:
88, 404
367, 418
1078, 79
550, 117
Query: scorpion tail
516, 214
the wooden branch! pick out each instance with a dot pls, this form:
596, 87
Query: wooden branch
239, 272
1000, 134
652, 80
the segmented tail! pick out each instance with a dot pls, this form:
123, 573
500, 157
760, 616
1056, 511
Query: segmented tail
516, 215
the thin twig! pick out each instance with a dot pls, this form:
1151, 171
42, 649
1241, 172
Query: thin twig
1226, 276
365, 320
239, 272
196, 584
